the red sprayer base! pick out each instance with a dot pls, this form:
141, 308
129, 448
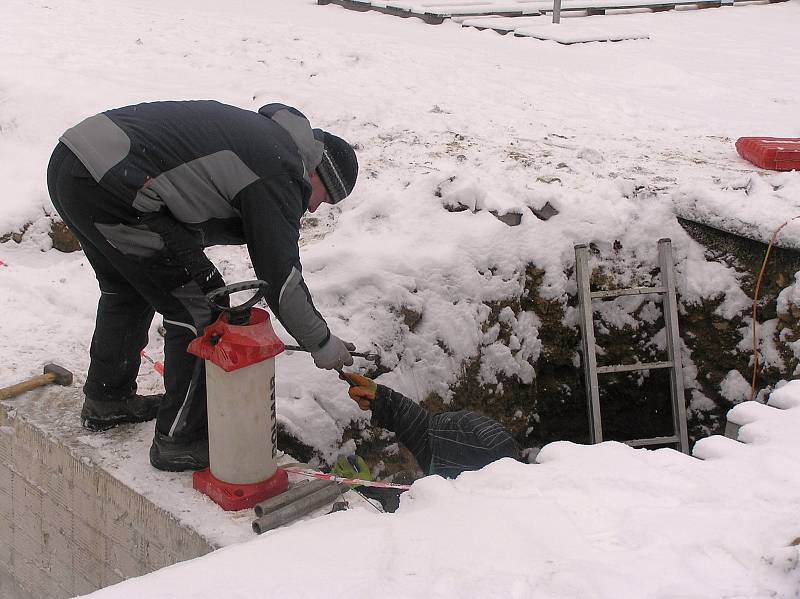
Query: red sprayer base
232, 497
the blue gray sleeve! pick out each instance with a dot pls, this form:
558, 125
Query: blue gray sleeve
271, 210
406, 419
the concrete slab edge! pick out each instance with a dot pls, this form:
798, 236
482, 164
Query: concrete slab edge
67, 527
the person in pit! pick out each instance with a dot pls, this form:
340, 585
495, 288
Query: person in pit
447, 443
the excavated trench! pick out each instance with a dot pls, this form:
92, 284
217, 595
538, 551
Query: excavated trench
634, 405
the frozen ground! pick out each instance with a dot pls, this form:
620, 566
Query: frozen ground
619, 137
601, 522
616, 136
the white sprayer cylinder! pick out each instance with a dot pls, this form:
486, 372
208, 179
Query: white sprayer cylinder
242, 427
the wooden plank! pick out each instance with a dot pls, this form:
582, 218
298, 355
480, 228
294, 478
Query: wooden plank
444, 7
436, 11
507, 9
441, 4
577, 32
432, 17
602, 5
357, 5
464, 11
501, 25
362, 6
436, 5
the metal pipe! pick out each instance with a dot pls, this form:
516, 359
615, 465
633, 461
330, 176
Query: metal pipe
299, 508
372, 357
299, 490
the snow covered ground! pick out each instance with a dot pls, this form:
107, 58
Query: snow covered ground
601, 522
618, 137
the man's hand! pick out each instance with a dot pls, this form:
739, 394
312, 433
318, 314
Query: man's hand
334, 355
362, 390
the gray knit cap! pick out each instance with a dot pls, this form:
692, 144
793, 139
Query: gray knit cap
338, 169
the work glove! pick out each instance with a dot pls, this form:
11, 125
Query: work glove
352, 467
334, 355
362, 390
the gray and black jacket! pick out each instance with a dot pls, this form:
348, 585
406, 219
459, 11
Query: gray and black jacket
193, 174
446, 444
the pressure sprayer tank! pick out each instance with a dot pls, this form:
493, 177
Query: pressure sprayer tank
239, 349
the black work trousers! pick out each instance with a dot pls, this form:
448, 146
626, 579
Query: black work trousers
132, 288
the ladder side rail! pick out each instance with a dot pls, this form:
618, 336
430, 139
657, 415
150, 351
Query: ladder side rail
670, 307
582, 274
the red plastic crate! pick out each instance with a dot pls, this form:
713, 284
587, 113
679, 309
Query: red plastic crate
773, 153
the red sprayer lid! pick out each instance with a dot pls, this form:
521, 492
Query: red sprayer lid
232, 347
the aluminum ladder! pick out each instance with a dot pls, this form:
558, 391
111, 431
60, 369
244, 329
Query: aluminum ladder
590, 369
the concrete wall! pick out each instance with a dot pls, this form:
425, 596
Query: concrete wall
9, 589
67, 527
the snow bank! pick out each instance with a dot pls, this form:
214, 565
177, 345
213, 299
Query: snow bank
602, 521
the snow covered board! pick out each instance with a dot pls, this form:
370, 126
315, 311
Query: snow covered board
574, 32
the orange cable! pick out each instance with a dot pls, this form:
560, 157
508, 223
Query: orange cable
772, 241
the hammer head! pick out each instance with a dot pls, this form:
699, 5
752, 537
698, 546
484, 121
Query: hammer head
63, 376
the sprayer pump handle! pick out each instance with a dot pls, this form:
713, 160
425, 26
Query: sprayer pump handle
237, 315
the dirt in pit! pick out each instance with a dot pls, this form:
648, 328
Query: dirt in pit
634, 405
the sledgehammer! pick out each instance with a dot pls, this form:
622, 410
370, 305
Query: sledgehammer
53, 373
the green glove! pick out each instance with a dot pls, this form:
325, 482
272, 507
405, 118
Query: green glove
352, 467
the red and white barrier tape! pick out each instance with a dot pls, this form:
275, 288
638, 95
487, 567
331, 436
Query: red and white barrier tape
347, 481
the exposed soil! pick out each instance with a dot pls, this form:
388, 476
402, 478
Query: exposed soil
634, 405
63, 239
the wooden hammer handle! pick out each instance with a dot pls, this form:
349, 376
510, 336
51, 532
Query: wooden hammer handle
37, 381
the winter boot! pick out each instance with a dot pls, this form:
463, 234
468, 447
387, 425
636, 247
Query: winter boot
102, 415
177, 455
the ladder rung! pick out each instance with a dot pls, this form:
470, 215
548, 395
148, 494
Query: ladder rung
653, 441
629, 291
630, 367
